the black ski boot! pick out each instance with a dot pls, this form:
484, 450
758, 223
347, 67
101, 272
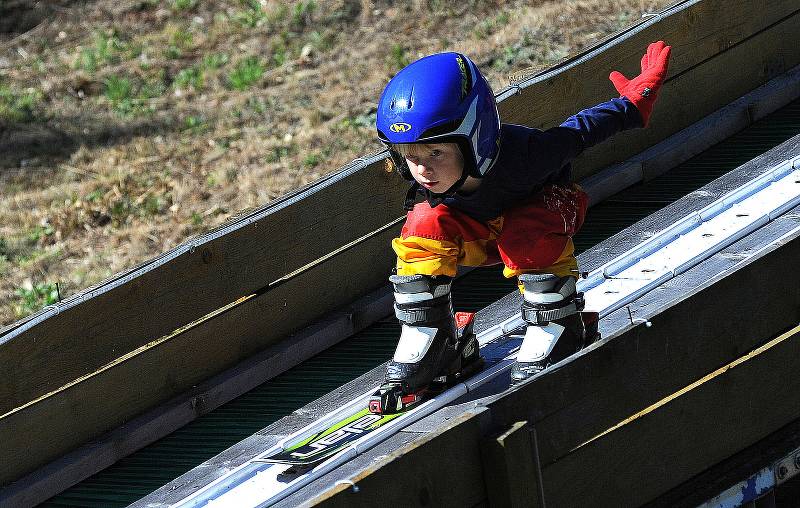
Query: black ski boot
431, 353
556, 326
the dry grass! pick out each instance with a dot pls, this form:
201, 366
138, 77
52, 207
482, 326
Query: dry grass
128, 126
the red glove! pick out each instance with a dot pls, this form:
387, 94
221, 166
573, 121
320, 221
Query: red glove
643, 89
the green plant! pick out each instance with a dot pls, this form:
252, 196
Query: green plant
281, 152
364, 121
279, 54
18, 106
181, 38
126, 99
312, 160
118, 88
399, 57
184, 5
194, 124
95, 195
191, 77
152, 205
38, 232
247, 72
252, 15
321, 41
119, 92
215, 61
511, 55
231, 174
197, 219
134, 50
35, 297
257, 105
39, 65
121, 210
105, 49
152, 88
303, 10
490, 25
179, 41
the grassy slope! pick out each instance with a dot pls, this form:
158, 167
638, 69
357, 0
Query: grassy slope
128, 126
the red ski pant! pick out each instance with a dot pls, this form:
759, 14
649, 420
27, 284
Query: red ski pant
533, 237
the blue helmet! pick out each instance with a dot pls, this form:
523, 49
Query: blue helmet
442, 98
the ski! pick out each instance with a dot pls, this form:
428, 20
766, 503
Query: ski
329, 442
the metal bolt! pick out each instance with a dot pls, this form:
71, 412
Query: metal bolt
782, 472
349, 482
797, 461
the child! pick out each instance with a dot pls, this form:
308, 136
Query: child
493, 193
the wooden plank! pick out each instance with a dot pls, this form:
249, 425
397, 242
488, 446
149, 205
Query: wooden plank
715, 419
705, 37
442, 468
36, 434
220, 270
511, 468
602, 385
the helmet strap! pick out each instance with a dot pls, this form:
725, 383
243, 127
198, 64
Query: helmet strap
434, 199
411, 195
400, 163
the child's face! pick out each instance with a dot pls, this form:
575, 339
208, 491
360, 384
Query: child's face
437, 167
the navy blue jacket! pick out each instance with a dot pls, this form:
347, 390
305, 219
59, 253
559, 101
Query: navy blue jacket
531, 158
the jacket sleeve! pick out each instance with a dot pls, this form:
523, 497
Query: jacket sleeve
558, 146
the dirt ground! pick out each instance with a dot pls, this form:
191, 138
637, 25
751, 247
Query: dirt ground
128, 126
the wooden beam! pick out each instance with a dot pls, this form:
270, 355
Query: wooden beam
511, 468
218, 270
442, 468
720, 414
36, 434
696, 138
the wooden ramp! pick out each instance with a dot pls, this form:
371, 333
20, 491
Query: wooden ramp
84, 367
706, 371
